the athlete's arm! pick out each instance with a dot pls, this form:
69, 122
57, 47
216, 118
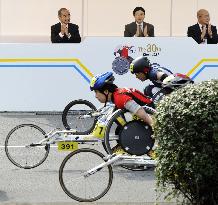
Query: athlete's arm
161, 76
136, 109
144, 116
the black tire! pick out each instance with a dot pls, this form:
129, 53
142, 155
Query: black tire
72, 113
110, 144
76, 163
18, 150
159, 95
114, 124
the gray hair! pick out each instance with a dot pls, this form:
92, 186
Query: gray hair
60, 10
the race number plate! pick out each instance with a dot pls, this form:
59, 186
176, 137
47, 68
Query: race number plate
67, 146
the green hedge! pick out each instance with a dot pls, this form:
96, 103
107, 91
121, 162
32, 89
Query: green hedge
186, 128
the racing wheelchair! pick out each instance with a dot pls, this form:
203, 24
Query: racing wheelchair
170, 84
27, 145
86, 175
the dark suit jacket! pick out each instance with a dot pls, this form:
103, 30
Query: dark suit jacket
73, 29
195, 32
130, 29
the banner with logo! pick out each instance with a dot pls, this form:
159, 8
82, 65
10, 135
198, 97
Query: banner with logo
45, 77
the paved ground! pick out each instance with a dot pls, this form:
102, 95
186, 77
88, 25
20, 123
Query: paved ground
42, 185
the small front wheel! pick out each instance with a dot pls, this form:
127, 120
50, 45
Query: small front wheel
21, 146
79, 185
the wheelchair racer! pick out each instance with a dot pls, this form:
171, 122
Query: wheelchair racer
128, 98
143, 70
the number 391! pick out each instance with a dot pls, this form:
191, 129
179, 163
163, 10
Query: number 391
67, 146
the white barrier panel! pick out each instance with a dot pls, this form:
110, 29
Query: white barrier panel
45, 77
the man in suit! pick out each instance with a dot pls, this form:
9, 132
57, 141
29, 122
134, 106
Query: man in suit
203, 32
65, 32
139, 28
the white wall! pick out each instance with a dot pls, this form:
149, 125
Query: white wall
25, 87
108, 17
183, 17
31, 19
34, 17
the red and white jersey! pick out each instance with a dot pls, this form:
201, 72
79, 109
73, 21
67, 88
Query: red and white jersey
122, 95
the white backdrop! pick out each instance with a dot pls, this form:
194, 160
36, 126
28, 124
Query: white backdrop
30, 20
35, 77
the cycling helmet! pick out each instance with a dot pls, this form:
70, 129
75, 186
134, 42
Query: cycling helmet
140, 64
100, 81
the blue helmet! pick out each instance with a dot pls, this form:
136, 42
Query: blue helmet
99, 81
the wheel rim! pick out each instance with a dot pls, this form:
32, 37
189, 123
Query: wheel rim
160, 95
110, 131
75, 185
18, 151
72, 116
113, 130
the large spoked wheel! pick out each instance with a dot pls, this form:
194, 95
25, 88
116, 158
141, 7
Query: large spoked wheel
21, 146
79, 185
159, 95
73, 113
119, 120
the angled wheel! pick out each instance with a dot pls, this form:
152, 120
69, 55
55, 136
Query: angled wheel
114, 128
116, 123
79, 185
73, 113
21, 146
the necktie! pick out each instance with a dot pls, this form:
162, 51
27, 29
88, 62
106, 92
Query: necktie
202, 28
140, 31
206, 35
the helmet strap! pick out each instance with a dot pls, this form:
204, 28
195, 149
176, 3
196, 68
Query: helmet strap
106, 96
